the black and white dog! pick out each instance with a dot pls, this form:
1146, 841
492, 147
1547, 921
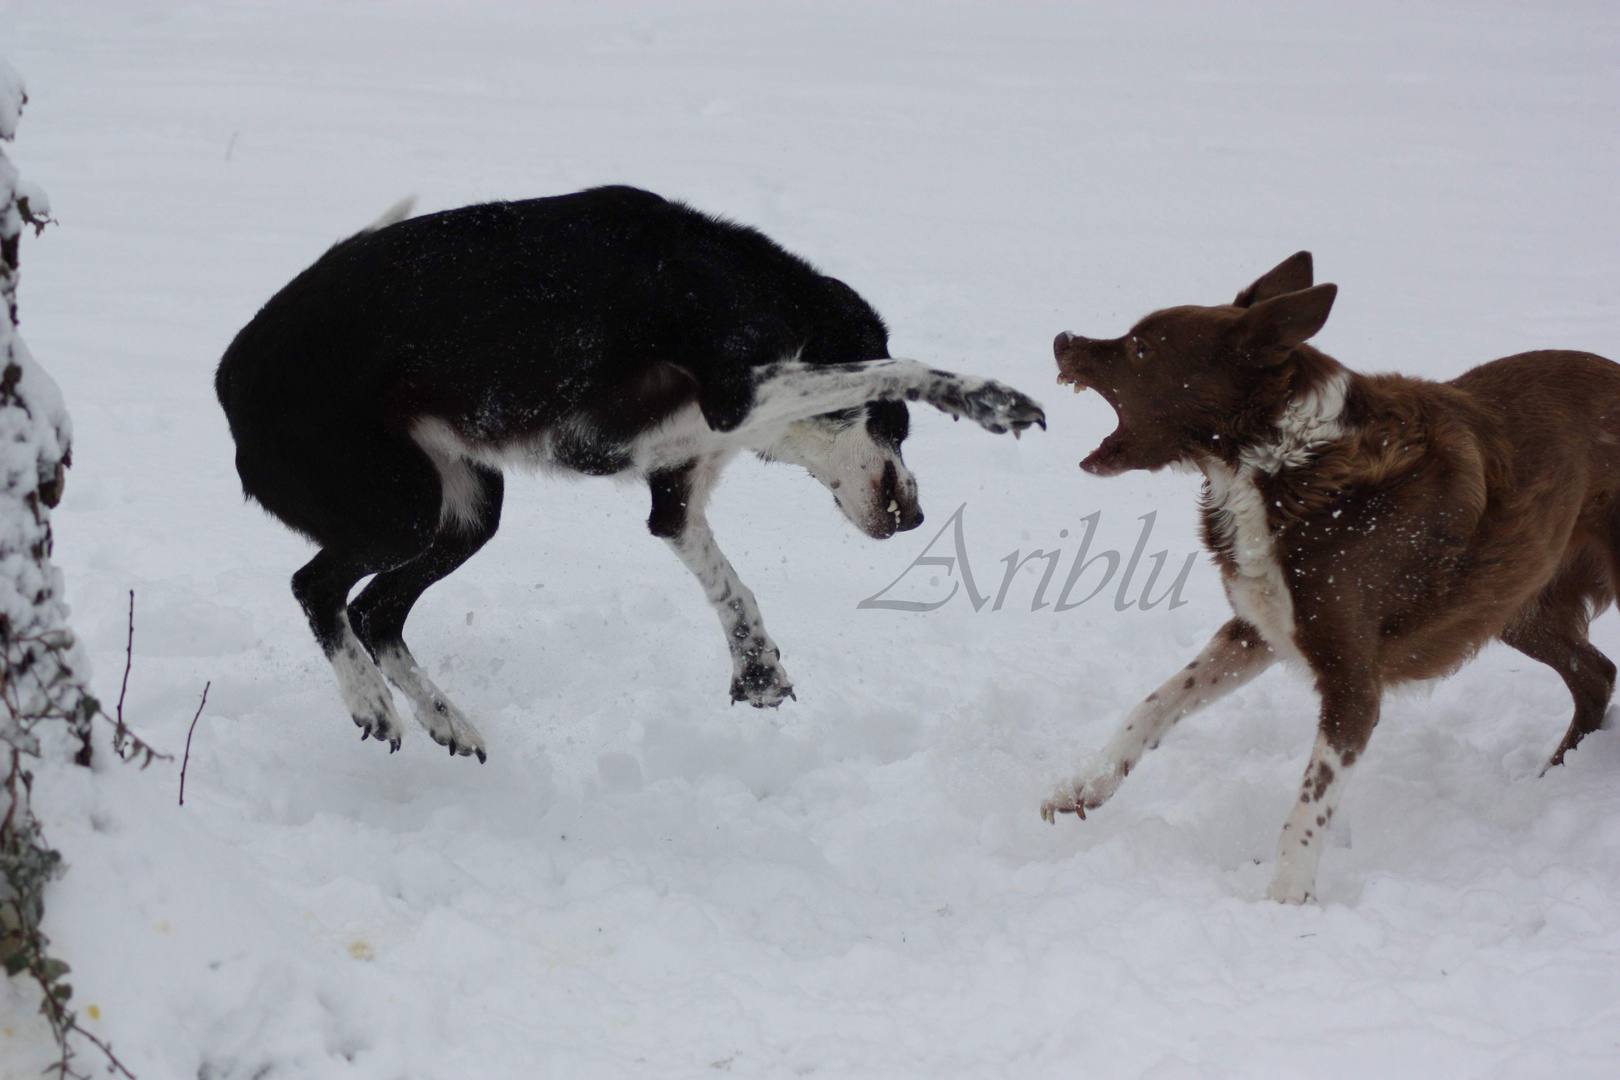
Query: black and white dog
375, 399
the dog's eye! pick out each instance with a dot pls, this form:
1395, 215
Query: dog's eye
1139, 348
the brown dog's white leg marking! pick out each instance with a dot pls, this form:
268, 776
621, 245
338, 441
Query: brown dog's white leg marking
1233, 657
1300, 846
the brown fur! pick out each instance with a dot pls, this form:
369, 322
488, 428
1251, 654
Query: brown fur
1439, 517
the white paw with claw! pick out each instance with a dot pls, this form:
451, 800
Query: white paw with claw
1292, 884
1079, 795
450, 729
994, 406
367, 696
1001, 408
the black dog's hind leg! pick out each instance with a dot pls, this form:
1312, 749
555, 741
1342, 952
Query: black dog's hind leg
322, 586
379, 612
677, 518
374, 502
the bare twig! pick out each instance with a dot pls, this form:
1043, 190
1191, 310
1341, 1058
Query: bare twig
11, 790
187, 759
105, 1048
65, 1022
129, 658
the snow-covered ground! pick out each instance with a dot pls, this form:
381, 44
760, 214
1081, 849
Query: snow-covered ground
644, 881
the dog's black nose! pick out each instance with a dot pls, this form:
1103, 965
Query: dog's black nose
1061, 342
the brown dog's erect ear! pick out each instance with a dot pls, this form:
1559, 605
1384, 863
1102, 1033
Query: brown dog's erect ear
1290, 275
1272, 328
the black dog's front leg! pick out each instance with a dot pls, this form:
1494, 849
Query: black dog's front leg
677, 517
791, 390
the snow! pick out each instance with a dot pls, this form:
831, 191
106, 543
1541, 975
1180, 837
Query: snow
643, 881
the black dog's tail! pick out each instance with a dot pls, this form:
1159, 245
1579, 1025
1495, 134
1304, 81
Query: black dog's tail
391, 216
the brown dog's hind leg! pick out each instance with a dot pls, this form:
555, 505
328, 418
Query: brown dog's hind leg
1552, 629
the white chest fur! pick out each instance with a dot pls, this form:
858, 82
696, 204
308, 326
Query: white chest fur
1257, 586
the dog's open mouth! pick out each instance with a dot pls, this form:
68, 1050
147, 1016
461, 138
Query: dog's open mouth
1105, 460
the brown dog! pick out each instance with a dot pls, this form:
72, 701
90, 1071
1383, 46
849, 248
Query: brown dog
1377, 528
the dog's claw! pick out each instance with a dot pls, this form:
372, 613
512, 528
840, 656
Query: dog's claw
999, 408
1079, 796
1051, 809
481, 756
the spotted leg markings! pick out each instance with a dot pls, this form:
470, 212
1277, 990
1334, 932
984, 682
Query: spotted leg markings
757, 675
1232, 658
791, 390
444, 722
363, 689
1299, 848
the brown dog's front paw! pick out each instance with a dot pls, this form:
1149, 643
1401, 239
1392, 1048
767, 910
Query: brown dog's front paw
1289, 888
1061, 804
1079, 796
1068, 799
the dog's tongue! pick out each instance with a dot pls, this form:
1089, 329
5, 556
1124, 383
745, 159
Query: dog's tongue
1099, 461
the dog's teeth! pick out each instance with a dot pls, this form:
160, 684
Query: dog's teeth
893, 506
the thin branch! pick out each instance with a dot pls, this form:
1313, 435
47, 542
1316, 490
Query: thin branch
105, 1048
11, 790
129, 657
187, 759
